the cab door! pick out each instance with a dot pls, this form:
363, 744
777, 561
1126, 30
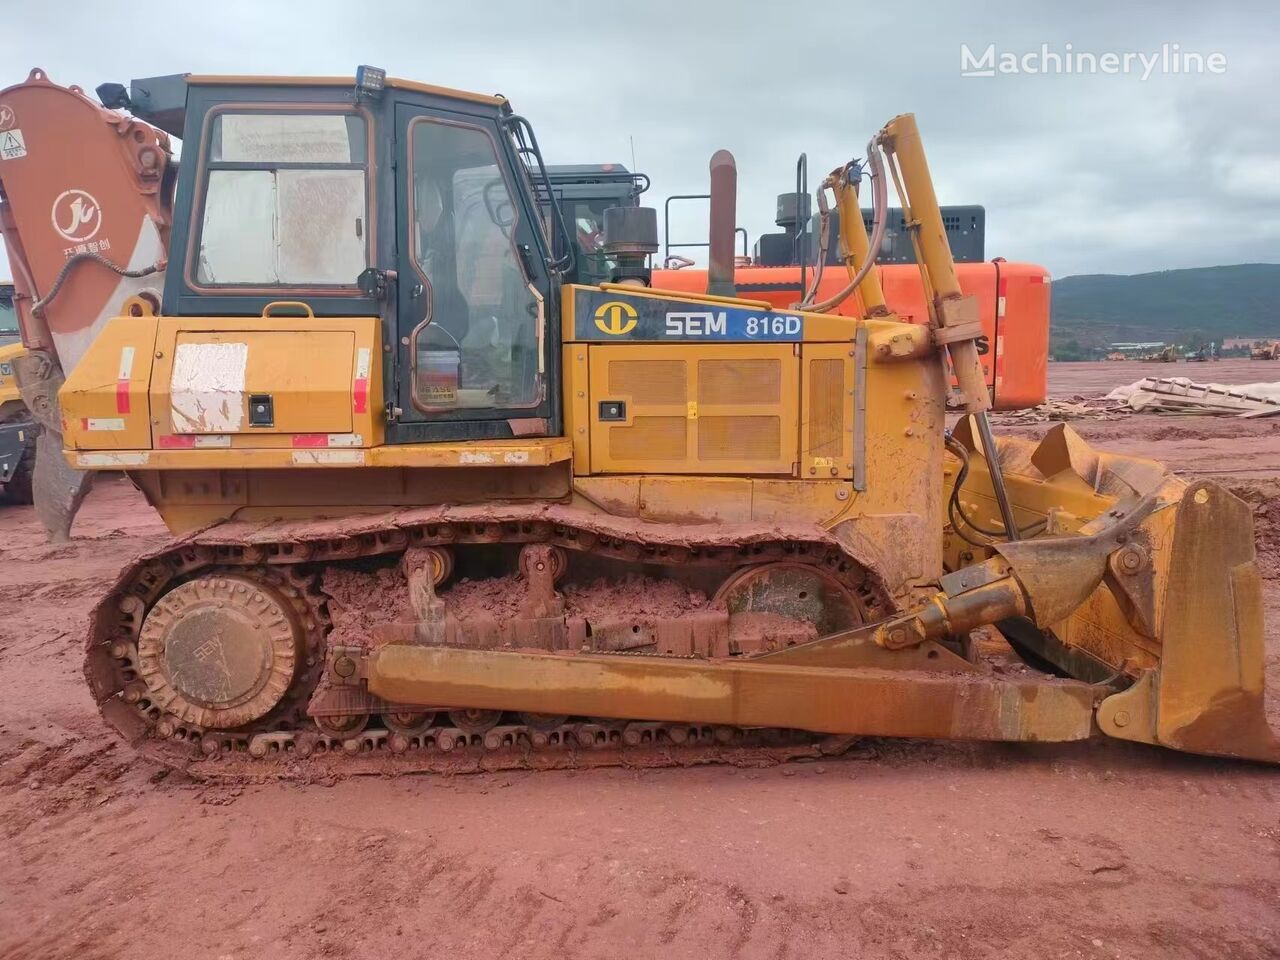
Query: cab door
474, 300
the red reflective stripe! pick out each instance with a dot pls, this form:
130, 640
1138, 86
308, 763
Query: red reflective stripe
310, 439
1002, 288
360, 396
122, 396
172, 442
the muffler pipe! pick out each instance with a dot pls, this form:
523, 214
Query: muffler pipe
724, 221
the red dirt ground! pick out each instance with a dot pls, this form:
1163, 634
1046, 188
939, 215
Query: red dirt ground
1096, 850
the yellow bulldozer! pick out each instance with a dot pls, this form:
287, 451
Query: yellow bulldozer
1166, 354
1265, 350
17, 429
437, 503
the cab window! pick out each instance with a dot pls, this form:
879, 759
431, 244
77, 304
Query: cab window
286, 200
476, 343
8, 315
585, 219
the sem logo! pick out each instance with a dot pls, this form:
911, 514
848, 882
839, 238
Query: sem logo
76, 216
696, 323
615, 318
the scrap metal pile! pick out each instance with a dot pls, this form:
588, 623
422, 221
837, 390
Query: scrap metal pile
1163, 395
1178, 395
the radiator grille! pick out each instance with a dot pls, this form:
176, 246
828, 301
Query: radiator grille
649, 438
649, 381
826, 408
739, 438
740, 382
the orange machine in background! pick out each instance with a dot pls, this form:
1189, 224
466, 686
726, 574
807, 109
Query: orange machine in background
1013, 299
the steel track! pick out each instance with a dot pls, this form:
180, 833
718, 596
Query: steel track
291, 556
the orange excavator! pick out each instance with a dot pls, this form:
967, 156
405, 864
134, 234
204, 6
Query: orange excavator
1013, 298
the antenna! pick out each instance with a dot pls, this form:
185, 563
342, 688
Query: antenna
633, 152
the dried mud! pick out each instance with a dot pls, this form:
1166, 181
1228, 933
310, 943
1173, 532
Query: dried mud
898, 849
365, 598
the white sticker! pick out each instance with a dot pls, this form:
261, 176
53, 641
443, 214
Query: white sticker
325, 457
516, 456
468, 457
213, 440
112, 459
12, 145
126, 364
345, 439
104, 423
206, 390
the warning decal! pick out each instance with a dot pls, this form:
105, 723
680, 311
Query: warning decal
12, 146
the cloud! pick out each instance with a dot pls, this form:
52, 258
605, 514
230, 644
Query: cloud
1083, 174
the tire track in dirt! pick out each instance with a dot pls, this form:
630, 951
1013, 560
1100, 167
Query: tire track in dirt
1100, 849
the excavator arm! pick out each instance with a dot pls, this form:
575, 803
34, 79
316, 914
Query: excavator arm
84, 213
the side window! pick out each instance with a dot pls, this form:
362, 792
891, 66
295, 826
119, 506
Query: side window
8, 315
285, 200
585, 219
477, 344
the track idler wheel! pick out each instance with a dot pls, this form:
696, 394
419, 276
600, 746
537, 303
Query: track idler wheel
220, 651
796, 592
475, 721
408, 723
540, 558
342, 726
545, 722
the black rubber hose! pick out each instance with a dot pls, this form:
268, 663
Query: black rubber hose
955, 508
38, 307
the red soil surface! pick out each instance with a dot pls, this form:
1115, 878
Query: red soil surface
1096, 850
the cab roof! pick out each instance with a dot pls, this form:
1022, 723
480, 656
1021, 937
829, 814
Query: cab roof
162, 101
396, 82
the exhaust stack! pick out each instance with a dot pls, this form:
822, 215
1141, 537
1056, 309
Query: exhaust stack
724, 221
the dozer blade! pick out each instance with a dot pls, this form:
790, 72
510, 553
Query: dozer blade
1207, 693
57, 488
1176, 618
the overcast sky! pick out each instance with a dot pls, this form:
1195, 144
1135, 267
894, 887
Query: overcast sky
1083, 174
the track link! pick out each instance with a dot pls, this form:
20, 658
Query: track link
290, 556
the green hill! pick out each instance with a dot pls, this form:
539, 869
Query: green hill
1202, 303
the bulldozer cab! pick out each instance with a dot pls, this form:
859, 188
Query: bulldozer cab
410, 203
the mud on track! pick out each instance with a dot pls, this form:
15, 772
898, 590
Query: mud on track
898, 850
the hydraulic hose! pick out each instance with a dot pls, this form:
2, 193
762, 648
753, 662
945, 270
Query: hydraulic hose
38, 307
880, 212
824, 243
956, 512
